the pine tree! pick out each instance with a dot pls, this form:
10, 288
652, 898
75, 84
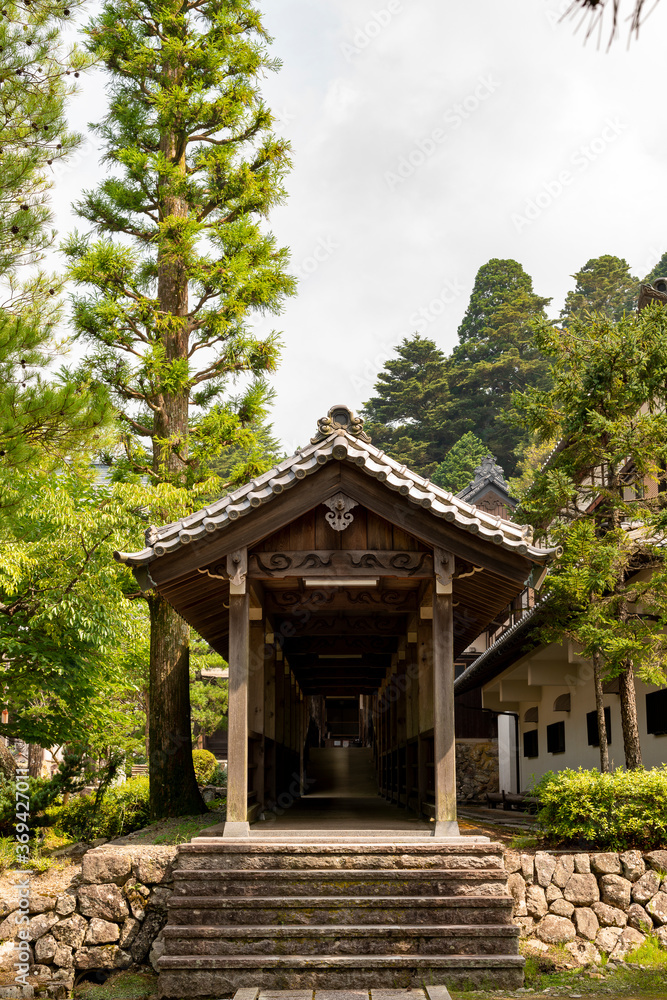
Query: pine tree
496, 356
604, 286
408, 416
601, 496
659, 271
458, 466
178, 262
42, 418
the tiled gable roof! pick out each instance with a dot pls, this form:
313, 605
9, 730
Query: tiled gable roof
336, 440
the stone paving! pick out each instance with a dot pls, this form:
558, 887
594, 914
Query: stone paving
428, 993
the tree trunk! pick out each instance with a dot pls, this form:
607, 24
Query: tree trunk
628, 698
7, 762
35, 757
173, 786
599, 708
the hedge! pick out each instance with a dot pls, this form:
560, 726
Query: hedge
617, 811
123, 808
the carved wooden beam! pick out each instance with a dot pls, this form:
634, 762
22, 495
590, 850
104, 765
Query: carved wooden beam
340, 599
302, 623
340, 563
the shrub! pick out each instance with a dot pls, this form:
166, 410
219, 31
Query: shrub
219, 776
616, 811
122, 809
7, 853
205, 765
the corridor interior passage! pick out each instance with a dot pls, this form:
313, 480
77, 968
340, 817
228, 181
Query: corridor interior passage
341, 772
342, 795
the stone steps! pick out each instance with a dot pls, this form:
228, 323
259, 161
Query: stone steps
380, 939
405, 910
337, 882
336, 915
247, 855
187, 976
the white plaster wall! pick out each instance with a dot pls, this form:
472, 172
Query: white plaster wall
577, 751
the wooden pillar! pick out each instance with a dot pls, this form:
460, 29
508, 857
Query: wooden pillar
256, 713
443, 697
237, 755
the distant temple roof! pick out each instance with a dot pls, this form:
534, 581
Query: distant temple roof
489, 479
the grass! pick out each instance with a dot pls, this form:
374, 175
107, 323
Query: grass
122, 986
179, 830
650, 955
524, 842
643, 976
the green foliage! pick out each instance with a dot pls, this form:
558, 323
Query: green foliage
209, 696
496, 356
67, 627
7, 854
74, 772
650, 954
659, 271
122, 809
205, 765
408, 416
219, 776
178, 262
458, 466
42, 417
604, 286
607, 406
120, 986
617, 811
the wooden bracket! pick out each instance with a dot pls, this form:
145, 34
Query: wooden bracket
443, 562
237, 568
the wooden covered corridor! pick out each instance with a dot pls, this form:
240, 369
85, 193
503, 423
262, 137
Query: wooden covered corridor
340, 581
340, 587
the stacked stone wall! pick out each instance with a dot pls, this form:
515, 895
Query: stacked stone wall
109, 918
476, 769
593, 904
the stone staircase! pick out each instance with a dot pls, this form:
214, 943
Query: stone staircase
337, 914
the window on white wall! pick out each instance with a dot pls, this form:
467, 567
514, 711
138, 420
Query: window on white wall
656, 713
556, 737
592, 727
530, 745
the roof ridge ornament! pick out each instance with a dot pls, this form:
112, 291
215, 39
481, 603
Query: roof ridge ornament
340, 419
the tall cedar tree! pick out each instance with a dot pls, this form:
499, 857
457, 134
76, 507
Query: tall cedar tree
41, 417
659, 271
604, 285
457, 468
602, 497
408, 416
496, 356
179, 264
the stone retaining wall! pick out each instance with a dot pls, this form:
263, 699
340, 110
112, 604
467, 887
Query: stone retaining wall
476, 769
112, 915
590, 903
109, 918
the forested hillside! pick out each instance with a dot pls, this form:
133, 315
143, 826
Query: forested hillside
440, 414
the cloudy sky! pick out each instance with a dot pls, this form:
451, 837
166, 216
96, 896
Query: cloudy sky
428, 138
